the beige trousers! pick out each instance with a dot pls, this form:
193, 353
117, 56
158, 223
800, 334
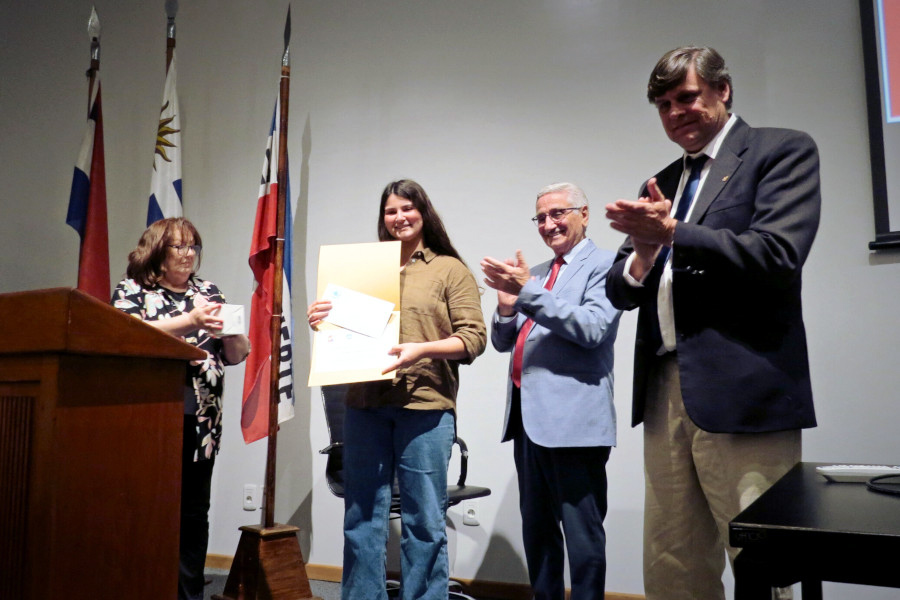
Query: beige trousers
696, 482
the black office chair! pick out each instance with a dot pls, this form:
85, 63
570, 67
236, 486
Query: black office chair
333, 398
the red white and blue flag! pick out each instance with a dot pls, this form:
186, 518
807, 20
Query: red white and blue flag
87, 205
165, 184
257, 376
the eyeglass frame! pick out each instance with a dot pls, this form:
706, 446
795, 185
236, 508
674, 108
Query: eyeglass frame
182, 249
539, 219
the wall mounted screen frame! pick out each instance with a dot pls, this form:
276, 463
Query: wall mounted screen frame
880, 24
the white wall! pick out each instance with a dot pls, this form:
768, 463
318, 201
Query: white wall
482, 103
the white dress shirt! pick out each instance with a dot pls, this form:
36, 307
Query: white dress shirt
664, 304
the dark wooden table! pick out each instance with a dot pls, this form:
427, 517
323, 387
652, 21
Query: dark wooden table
808, 530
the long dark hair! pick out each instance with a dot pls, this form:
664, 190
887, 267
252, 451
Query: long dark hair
145, 262
434, 235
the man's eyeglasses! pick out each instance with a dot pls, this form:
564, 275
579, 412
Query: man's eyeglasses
556, 215
183, 250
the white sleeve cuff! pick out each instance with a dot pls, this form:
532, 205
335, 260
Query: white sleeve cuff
627, 272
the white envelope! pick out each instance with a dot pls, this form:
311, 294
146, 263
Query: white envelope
356, 311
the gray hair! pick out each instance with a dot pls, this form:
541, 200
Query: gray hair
577, 197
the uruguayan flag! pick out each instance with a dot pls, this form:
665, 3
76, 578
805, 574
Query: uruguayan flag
165, 184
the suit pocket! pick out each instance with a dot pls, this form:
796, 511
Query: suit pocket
735, 216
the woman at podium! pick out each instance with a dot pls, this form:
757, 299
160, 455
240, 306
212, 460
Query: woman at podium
163, 289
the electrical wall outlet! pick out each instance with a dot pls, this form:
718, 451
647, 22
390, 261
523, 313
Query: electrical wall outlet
250, 499
470, 513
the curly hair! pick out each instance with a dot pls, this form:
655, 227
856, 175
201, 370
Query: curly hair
145, 262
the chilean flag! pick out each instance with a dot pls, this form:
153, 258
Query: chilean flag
257, 376
87, 205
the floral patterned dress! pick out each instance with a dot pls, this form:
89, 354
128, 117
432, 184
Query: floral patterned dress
203, 377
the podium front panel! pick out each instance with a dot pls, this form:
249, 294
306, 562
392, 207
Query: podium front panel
92, 446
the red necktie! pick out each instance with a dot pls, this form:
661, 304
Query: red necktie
527, 325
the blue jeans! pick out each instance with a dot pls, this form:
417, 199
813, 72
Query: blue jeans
416, 444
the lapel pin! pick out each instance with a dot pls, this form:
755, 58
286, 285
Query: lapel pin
724, 179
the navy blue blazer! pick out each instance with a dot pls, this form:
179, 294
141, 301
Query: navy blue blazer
736, 283
567, 364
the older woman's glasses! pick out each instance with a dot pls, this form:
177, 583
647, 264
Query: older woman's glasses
556, 215
183, 250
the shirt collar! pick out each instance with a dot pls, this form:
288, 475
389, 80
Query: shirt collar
569, 256
426, 254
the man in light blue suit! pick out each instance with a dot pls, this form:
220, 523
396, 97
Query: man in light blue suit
560, 328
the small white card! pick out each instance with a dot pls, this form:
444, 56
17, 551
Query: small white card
356, 311
232, 316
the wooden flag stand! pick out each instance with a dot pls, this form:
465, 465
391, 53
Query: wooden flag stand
268, 564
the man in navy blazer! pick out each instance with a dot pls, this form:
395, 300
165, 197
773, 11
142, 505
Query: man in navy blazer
560, 328
721, 374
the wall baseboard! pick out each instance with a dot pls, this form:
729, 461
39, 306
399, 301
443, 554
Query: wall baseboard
492, 589
219, 561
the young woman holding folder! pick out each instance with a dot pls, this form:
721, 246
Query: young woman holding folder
407, 425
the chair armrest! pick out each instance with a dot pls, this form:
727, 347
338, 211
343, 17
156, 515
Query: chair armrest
463, 461
331, 448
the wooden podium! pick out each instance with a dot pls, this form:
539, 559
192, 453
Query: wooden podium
91, 425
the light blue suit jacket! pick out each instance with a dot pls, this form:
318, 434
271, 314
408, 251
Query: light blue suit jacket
567, 378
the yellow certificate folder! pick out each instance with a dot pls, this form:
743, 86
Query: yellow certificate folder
341, 355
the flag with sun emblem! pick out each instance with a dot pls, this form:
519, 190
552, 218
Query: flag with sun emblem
257, 374
165, 183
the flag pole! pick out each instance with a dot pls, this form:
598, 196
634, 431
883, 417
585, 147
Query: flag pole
87, 200
165, 199
277, 317
268, 563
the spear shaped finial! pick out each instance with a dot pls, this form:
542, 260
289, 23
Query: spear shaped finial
285, 58
94, 34
171, 11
